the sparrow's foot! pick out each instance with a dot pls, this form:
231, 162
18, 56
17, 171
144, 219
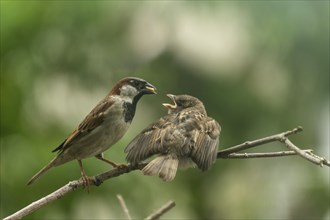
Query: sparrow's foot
121, 165
87, 181
113, 164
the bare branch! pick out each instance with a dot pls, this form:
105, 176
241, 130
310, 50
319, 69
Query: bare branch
228, 153
71, 186
281, 137
123, 206
249, 144
261, 155
307, 155
158, 213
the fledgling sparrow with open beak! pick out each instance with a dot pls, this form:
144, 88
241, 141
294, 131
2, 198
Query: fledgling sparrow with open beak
184, 138
102, 127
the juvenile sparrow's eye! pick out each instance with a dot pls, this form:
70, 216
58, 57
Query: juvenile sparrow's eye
183, 104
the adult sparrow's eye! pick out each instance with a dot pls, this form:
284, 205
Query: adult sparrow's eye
134, 83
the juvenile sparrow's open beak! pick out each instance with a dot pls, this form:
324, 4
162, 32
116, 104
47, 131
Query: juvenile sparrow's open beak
150, 89
170, 106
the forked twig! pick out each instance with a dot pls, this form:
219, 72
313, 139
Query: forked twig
249, 144
231, 153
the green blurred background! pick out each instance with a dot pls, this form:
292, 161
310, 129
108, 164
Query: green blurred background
260, 68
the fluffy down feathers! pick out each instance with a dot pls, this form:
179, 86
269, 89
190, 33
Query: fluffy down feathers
183, 138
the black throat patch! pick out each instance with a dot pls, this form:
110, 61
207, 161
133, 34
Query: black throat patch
130, 108
129, 111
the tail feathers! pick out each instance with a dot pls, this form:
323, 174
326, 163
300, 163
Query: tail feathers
163, 166
42, 171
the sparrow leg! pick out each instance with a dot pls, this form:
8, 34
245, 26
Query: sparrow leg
120, 165
84, 177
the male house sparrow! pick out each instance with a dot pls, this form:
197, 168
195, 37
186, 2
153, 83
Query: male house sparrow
102, 127
184, 138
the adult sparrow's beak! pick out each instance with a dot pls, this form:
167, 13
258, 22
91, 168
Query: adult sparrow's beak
150, 89
170, 106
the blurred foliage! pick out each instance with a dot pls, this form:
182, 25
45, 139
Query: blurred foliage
261, 67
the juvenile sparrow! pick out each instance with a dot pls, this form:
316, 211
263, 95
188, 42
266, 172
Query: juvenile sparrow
184, 138
102, 127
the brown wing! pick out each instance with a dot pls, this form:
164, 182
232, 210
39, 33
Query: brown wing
204, 151
149, 141
94, 119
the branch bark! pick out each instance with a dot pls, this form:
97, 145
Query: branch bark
228, 153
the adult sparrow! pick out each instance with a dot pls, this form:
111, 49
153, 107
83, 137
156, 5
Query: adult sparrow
102, 127
184, 138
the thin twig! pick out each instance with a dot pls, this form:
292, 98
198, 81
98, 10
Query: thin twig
158, 213
307, 155
228, 153
249, 144
123, 206
261, 155
281, 137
